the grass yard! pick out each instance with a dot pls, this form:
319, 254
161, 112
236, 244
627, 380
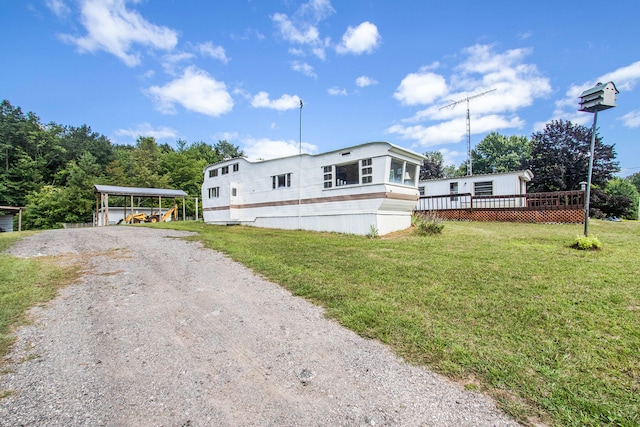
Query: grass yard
23, 284
551, 332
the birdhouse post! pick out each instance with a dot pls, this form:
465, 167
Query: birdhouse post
598, 98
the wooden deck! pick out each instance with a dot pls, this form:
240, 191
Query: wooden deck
557, 207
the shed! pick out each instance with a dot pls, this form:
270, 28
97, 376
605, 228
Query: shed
7, 213
104, 191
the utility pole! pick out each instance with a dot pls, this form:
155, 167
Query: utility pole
453, 105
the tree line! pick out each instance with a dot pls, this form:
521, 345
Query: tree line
50, 169
558, 156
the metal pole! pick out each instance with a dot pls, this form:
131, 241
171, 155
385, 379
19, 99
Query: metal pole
469, 164
588, 192
300, 144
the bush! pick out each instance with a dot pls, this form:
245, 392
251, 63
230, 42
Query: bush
427, 224
587, 243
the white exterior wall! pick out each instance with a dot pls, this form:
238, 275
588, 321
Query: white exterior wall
504, 184
306, 204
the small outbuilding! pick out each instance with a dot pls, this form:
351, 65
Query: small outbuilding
7, 215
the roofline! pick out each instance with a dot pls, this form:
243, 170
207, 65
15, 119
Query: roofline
10, 208
393, 148
523, 172
137, 191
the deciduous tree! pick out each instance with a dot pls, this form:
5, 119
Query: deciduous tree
560, 158
500, 153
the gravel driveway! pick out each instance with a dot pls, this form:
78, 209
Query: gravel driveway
162, 332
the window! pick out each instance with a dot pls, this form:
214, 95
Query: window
453, 189
236, 167
213, 172
225, 170
328, 176
214, 192
483, 188
367, 171
281, 181
347, 174
421, 190
395, 174
234, 192
409, 175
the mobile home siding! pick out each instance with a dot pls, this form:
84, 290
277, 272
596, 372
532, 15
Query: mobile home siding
306, 203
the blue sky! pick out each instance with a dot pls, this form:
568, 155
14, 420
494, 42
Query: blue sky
368, 70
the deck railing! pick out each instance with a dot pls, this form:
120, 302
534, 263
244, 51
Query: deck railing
565, 200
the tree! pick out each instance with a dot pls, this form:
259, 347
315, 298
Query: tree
560, 158
499, 153
635, 180
225, 151
146, 168
433, 166
623, 198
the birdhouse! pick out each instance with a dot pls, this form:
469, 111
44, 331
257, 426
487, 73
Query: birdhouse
598, 98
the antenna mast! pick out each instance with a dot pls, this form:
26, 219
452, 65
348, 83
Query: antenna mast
452, 105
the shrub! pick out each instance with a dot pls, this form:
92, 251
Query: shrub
586, 243
427, 224
373, 232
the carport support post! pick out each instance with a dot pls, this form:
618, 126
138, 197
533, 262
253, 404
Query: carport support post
184, 211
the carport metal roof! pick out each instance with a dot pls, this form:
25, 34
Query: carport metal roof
136, 191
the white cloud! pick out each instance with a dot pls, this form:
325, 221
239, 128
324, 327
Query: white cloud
364, 81
215, 52
196, 90
364, 38
631, 119
516, 83
336, 91
625, 79
302, 27
113, 28
265, 149
452, 131
145, 129
309, 34
421, 88
58, 7
285, 102
304, 68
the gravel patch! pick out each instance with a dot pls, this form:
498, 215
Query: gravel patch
163, 332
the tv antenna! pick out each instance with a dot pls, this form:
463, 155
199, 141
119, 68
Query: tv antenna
453, 105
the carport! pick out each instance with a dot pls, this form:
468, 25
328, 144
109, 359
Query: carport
104, 191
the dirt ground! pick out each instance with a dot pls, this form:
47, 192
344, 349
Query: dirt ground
162, 332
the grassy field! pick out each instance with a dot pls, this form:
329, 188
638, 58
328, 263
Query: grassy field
551, 332
23, 284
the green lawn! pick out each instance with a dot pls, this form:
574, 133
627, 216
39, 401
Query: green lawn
23, 284
551, 332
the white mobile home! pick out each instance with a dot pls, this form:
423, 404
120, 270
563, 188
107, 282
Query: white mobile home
352, 190
476, 186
